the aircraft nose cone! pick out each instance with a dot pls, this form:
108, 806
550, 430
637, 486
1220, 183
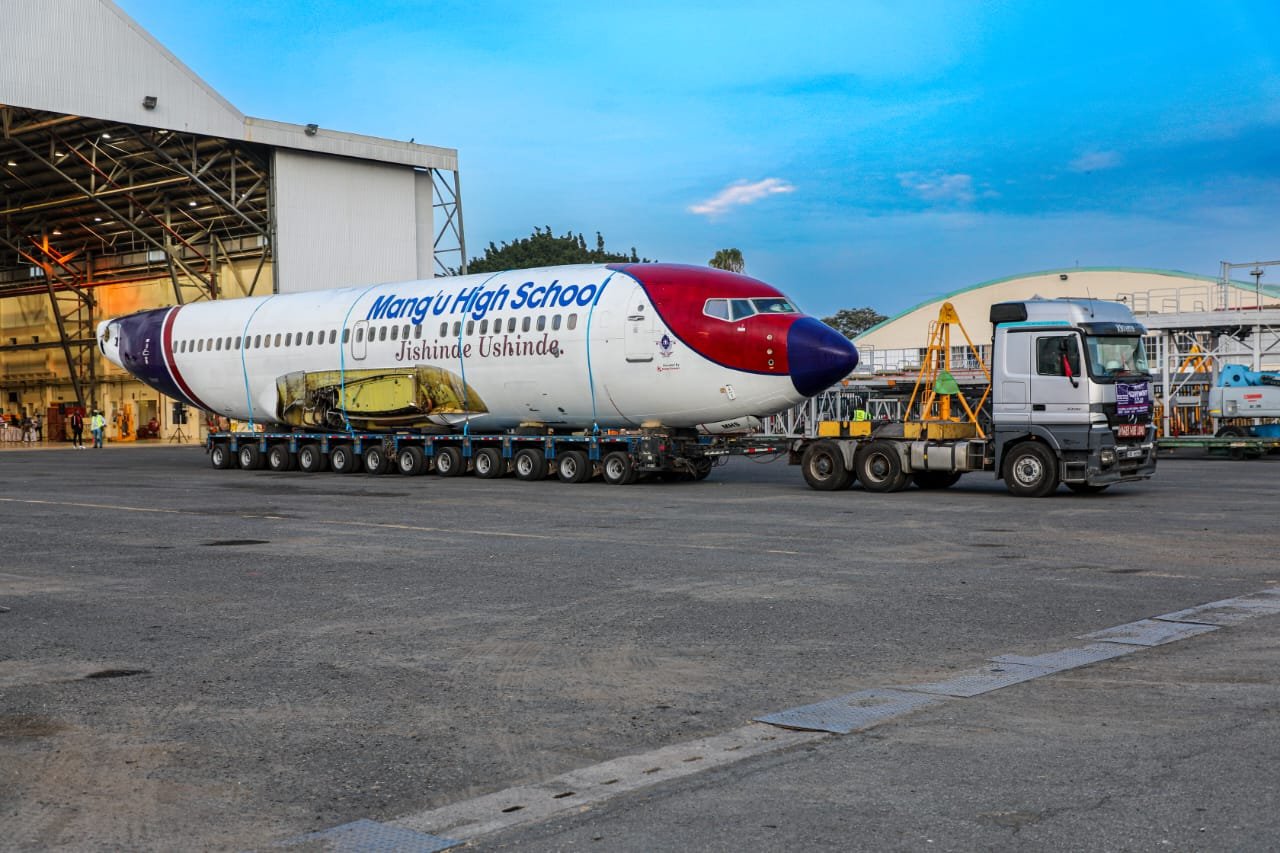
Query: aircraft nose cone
818, 355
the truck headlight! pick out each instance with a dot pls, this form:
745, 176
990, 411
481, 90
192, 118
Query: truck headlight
1107, 456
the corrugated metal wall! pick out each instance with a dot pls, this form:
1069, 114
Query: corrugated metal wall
90, 59
346, 222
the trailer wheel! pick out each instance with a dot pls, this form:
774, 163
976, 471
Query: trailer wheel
573, 466
250, 457
929, 480
880, 468
1030, 470
310, 459
1086, 489
616, 469
530, 463
280, 458
376, 460
342, 459
449, 462
411, 461
488, 463
220, 456
823, 467
702, 468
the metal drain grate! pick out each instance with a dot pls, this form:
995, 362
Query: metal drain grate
1065, 659
1149, 632
975, 682
369, 836
846, 714
1230, 611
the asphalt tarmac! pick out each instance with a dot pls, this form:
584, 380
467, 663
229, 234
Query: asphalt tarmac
226, 660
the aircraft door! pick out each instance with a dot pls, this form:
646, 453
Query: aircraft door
639, 328
359, 344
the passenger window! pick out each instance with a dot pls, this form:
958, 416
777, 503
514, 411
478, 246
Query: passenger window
718, 308
484, 327
524, 324
511, 324
1056, 355
382, 335
457, 329
277, 343
237, 342
573, 322
199, 346
542, 322
444, 330
333, 334
288, 339
257, 341
395, 333
471, 327
346, 336
555, 323
417, 332
359, 334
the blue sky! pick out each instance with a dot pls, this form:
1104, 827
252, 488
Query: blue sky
858, 153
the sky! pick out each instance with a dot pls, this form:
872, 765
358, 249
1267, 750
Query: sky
857, 153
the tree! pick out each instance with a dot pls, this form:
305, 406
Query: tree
544, 249
850, 322
728, 259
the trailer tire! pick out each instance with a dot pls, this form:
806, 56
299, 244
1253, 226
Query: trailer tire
342, 459
573, 466
823, 467
281, 458
702, 468
376, 460
250, 457
1030, 470
449, 462
221, 457
311, 460
411, 461
617, 469
879, 467
488, 463
931, 480
530, 463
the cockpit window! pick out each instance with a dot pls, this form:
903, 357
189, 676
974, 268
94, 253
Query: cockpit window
774, 305
718, 308
741, 308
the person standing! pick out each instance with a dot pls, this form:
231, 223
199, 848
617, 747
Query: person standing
97, 426
76, 422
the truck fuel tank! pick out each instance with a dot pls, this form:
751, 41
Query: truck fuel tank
951, 456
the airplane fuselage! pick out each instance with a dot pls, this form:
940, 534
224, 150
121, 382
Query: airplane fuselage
615, 346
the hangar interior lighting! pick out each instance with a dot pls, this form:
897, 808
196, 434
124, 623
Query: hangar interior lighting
12, 163
191, 204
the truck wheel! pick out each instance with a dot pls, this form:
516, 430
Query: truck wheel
935, 479
220, 456
702, 468
1030, 470
1086, 489
449, 462
342, 459
573, 466
616, 469
376, 461
530, 463
250, 457
823, 467
280, 458
310, 459
880, 468
1230, 432
488, 463
411, 461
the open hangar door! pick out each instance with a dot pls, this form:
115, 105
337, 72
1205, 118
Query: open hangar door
99, 218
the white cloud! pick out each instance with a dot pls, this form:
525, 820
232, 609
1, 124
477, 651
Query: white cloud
740, 193
939, 186
1096, 161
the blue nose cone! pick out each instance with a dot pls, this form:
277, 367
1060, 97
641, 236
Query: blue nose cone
818, 355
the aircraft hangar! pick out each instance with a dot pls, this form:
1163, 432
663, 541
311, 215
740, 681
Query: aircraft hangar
127, 182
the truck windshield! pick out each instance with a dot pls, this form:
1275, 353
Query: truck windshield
1112, 355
